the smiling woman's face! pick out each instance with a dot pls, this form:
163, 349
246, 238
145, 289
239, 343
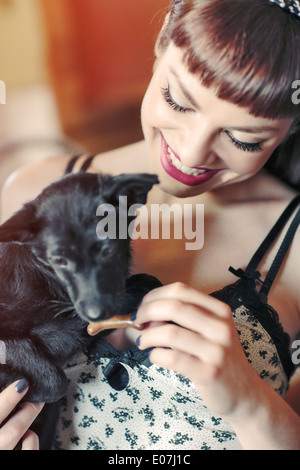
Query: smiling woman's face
196, 141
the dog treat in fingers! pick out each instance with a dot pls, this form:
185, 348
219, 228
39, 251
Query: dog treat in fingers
118, 321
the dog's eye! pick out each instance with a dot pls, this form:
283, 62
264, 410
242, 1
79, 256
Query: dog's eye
107, 251
61, 261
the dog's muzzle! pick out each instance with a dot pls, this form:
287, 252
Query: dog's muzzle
97, 312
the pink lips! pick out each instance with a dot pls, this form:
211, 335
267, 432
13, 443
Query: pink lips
178, 175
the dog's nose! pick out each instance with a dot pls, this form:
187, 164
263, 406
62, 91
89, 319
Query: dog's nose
96, 310
93, 313
90, 312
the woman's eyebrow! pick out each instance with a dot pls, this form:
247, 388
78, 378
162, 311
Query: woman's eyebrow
184, 90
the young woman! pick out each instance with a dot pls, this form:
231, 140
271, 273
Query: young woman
219, 105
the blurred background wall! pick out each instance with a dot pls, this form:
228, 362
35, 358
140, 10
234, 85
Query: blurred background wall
75, 74
22, 43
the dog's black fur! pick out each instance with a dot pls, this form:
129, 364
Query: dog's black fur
56, 275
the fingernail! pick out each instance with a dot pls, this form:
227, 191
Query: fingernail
21, 386
137, 343
133, 315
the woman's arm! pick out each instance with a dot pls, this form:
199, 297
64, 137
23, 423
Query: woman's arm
272, 424
293, 394
203, 345
27, 182
16, 427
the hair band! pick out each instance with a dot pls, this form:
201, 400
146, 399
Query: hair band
292, 6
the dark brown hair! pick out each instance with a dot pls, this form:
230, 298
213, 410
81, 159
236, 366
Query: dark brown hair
249, 52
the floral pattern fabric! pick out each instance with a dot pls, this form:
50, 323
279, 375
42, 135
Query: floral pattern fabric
152, 408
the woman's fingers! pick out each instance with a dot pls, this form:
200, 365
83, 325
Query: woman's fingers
30, 441
17, 426
195, 331
184, 293
11, 396
183, 341
190, 316
184, 364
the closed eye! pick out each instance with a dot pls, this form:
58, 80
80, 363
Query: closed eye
171, 102
245, 146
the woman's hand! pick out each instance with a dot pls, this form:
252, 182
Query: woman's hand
16, 428
200, 343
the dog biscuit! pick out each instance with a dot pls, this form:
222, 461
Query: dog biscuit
118, 321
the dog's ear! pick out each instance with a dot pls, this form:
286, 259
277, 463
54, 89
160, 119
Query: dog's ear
21, 227
134, 186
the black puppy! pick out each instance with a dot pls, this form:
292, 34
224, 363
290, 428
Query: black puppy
56, 275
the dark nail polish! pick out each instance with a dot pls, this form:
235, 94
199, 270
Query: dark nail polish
138, 341
21, 386
133, 315
149, 351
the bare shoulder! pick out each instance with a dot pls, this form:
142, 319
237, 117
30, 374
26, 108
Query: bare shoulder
131, 158
27, 182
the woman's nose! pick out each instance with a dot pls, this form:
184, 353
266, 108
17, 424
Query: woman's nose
196, 149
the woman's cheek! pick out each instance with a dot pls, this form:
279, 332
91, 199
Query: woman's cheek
242, 163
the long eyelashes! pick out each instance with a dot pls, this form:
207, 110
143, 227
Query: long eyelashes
169, 99
244, 146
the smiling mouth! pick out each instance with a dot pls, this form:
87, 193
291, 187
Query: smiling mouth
180, 172
183, 168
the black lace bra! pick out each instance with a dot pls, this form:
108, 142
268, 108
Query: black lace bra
252, 292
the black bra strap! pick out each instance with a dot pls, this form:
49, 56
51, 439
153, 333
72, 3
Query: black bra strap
251, 272
270, 277
84, 166
71, 164
272, 235
87, 162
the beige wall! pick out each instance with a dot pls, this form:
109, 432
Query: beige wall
22, 60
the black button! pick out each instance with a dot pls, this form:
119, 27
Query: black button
117, 376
